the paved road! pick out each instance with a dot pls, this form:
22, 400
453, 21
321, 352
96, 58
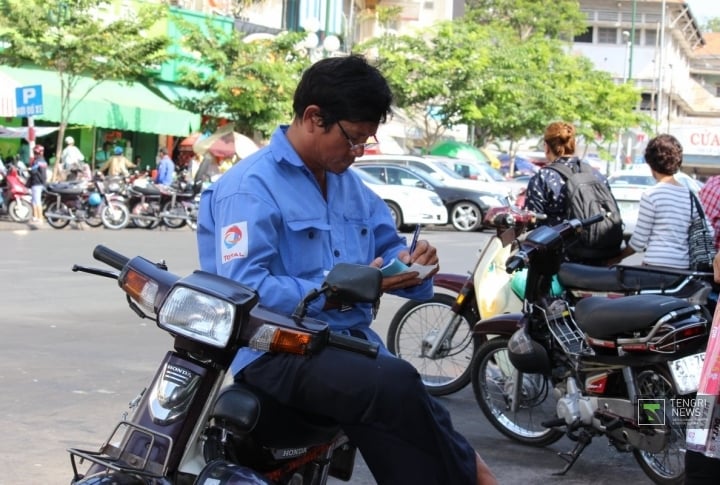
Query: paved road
72, 355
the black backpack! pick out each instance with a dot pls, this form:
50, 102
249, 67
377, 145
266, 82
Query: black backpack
588, 195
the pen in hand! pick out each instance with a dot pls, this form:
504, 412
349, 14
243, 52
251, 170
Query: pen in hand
416, 235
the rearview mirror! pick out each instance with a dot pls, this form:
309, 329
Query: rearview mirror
354, 283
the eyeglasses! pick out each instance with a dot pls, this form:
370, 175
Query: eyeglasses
358, 147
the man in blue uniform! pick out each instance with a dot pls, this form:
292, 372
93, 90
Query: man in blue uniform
279, 221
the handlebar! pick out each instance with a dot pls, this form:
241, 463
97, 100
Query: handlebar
546, 236
353, 344
110, 257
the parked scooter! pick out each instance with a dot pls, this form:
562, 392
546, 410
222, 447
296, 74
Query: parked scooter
186, 427
84, 201
174, 206
16, 201
624, 368
435, 335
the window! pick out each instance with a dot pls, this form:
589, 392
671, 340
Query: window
586, 37
378, 172
607, 35
717, 90
651, 37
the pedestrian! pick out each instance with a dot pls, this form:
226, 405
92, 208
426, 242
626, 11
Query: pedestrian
710, 200
104, 153
71, 156
664, 214
295, 211
117, 165
567, 188
37, 181
165, 168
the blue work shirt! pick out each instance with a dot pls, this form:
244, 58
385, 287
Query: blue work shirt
266, 224
165, 171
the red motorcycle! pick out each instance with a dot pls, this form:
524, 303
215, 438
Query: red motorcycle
16, 200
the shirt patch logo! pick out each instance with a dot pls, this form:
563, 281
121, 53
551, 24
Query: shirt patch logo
234, 241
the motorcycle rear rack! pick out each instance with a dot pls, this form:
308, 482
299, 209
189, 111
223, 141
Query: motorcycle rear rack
118, 457
563, 327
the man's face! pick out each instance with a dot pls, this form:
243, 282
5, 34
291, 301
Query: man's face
337, 148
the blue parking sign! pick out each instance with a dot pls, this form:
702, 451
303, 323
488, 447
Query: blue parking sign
28, 100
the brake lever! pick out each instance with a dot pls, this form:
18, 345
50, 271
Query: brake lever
96, 271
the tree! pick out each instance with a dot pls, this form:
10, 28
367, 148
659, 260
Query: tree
712, 25
251, 83
550, 18
485, 75
76, 38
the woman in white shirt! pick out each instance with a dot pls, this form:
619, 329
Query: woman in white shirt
664, 214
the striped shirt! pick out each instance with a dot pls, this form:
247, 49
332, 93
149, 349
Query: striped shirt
662, 226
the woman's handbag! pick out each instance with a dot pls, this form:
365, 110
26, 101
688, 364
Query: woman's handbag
701, 246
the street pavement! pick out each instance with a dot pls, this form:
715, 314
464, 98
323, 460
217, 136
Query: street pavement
72, 355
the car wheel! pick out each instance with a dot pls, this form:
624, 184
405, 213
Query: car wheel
396, 214
466, 216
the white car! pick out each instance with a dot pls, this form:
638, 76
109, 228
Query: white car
409, 206
628, 186
482, 173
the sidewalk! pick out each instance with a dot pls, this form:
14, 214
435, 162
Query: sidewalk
8, 225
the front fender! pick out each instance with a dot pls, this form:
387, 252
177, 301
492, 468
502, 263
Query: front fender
504, 325
449, 281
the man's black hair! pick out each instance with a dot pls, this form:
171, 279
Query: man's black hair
345, 88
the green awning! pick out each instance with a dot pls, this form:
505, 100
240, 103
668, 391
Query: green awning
110, 104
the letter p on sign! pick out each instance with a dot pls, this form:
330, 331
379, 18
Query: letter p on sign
29, 100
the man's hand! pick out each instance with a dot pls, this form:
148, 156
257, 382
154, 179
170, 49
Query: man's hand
424, 254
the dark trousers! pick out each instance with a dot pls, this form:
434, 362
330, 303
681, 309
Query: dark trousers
701, 470
404, 434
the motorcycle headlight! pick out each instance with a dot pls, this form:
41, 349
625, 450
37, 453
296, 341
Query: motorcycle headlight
197, 316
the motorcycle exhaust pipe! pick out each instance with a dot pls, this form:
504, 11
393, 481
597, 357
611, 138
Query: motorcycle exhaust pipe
51, 215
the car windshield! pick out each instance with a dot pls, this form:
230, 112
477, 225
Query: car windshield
369, 178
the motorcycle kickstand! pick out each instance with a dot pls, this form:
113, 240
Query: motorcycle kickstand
583, 439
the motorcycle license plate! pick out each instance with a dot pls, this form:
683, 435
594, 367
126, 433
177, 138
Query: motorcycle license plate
686, 372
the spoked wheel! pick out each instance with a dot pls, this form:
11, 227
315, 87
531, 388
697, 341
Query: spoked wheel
115, 215
20, 210
176, 209
494, 380
93, 216
666, 467
415, 328
58, 215
149, 218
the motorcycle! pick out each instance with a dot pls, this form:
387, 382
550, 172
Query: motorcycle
83, 201
173, 206
624, 368
16, 200
190, 427
436, 335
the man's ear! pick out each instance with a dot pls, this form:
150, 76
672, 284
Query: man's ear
312, 118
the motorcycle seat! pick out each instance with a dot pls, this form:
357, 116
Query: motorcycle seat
66, 188
149, 190
605, 318
271, 423
618, 278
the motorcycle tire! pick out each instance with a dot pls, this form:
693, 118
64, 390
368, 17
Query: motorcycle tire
146, 210
410, 330
60, 209
20, 211
666, 467
115, 215
93, 216
493, 380
176, 208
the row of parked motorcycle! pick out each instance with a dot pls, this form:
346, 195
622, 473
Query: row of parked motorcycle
113, 202
551, 349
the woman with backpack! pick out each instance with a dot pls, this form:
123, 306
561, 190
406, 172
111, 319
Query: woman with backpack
569, 188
